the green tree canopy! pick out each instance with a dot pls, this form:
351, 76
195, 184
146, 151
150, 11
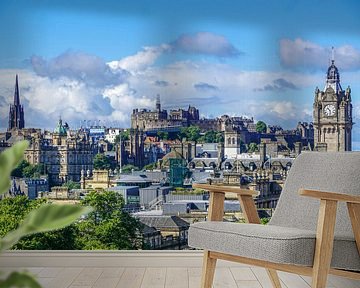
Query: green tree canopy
212, 137
71, 185
163, 135
125, 136
191, 133
128, 168
25, 169
108, 227
252, 147
150, 166
261, 127
101, 162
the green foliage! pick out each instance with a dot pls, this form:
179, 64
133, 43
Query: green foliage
19, 279
33, 171
252, 147
191, 133
163, 135
108, 226
71, 185
260, 127
125, 136
47, 217
25, 169
185, 191
264, 221
9, 159
212, 137
18, 171
128, 168
101, 162
63, 239
150, 166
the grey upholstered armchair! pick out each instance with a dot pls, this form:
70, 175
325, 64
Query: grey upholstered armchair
314, 231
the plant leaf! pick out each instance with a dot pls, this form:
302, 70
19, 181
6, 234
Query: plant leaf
19, 279
9, 159
47, 217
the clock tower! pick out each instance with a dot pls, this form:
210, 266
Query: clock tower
332, 112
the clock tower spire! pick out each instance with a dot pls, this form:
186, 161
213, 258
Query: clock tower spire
332, 113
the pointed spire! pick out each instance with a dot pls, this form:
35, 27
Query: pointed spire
332, 55
16, 93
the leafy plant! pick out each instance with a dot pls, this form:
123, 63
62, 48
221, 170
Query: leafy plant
46, 218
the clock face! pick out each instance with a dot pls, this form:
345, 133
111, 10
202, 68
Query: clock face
329, 110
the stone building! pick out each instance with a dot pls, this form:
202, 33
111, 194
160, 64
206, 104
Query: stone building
332, 112
64, 154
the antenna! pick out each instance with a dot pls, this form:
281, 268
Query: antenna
332, 55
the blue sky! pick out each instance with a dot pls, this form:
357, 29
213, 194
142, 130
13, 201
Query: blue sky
100, 59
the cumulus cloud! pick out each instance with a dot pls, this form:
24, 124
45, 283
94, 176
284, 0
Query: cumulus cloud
140, 60
300, 53
205, 43
80, 66
278, 85
205, 87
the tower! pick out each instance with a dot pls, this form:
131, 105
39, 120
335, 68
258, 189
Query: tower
137, 147
158, 104
232, 142
332, 112
16, 113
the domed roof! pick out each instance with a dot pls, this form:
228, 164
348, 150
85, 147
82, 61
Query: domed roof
60, 128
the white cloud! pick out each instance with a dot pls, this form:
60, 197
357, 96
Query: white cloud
140, 60
300, 53
205, 43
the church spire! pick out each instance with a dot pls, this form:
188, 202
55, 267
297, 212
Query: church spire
16, 93
16, 113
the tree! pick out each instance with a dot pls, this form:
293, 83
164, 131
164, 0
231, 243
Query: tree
150, 166
260, 127
212, 137
18, 171
128, 168
125, 136
71, 185
101, 162
163, 135
25, 169
108, 227
252, 147
191, 133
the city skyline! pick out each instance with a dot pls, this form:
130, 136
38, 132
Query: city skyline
100, 61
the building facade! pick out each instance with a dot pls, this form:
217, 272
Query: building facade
332, 112
64, 154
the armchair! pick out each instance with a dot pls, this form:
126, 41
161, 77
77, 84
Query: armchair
312, 232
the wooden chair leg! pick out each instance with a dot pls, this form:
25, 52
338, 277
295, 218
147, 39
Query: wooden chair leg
354, 212
324, 243
274, 278
208, 270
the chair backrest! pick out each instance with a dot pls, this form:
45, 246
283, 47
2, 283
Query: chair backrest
326, 171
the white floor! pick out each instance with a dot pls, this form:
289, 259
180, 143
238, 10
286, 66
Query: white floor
144, 270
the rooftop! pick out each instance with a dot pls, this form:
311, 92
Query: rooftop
142, 269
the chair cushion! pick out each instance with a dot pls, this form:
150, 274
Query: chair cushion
270, 243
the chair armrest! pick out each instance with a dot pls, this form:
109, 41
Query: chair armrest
217, 197
323, 195
226, 189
